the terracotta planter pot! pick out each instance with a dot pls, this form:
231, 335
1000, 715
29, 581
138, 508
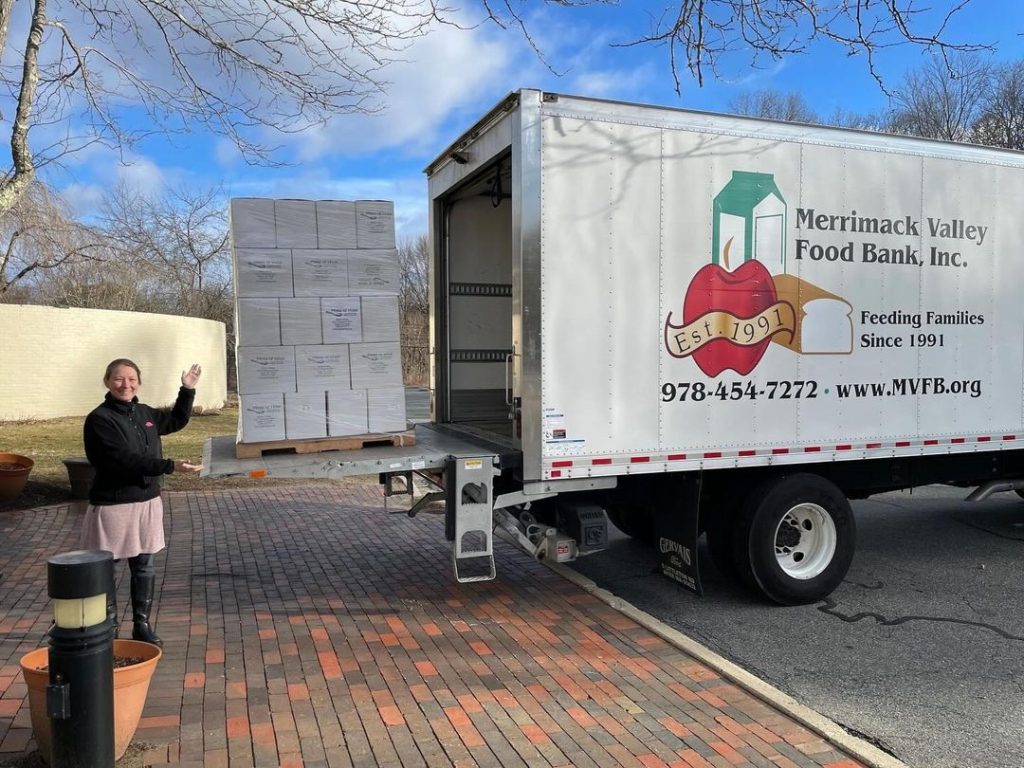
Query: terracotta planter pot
80, 475
14, 470
131, 686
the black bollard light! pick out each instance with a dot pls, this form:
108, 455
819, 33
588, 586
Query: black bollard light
80, 697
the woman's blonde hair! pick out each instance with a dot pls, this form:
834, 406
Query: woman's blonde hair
115, 364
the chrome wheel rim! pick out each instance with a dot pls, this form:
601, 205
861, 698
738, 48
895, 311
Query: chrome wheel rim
805, 541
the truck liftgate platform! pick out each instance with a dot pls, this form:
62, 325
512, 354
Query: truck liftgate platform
458, 468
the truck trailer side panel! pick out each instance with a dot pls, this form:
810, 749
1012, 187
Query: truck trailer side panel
723, 292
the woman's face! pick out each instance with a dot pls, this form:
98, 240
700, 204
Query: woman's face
123, 383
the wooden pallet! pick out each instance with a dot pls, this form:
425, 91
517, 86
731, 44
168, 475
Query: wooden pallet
348, 443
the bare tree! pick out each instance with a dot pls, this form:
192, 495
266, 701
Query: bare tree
774, 105
943, 99
238, 68
39, 234
181, 235
869, 121
414, 306
108, 283
233, 68
701, 35
1002, 117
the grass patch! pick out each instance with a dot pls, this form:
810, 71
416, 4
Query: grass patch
51, 441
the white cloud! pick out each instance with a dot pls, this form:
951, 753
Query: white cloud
142, 175
614, 84
83, 199
442, 72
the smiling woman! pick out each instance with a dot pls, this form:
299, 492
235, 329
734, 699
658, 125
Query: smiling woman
125, 512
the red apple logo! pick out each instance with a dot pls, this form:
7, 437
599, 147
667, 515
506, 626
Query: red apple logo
743, 293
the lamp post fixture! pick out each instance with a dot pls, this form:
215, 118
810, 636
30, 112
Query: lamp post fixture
80, 697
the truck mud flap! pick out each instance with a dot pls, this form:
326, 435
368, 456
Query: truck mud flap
677, 524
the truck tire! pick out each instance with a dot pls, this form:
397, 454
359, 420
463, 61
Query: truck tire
794, 539
634, 520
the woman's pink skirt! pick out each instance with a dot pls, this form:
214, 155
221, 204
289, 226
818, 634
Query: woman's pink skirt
126, 530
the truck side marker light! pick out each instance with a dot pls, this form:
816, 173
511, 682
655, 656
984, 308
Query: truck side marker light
556, 473
1009, 437
677, 457
748, 453
601, 461
639, 459
873, 445
779, 451
713, 455
844, 447
812, 449
957, 440
931, 442
561, 464
984, 439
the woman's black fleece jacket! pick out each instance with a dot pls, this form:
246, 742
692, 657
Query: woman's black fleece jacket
122, 441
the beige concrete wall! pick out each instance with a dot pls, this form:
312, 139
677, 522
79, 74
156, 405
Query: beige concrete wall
52, 360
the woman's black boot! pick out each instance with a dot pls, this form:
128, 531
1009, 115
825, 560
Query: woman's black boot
143, 584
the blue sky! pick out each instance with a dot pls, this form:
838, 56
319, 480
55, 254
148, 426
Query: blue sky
451, 77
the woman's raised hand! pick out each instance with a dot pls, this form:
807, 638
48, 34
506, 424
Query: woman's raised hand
191, 376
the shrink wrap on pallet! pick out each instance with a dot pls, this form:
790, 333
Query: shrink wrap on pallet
257, 323
295, 223
386, 409
336, 224
260, 418
317, 318
305, 415
346, 412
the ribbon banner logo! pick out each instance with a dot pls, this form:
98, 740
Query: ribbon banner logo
735, 307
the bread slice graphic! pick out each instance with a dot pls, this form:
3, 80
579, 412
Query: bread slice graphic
823, 324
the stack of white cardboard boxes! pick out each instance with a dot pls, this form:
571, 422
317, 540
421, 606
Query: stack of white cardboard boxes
316, 319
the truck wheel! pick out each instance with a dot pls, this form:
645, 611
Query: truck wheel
794, 539
633, 520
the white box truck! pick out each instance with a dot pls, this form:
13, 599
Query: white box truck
707, 324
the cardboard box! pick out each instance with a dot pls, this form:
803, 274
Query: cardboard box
342, 320
373, 272
322, 367
295, 223
336, 224
375, 223
386, 409
262, 273
346, 412
320, 273
252, 223
380, 318
265, 369
305, 415
257, 323
300, 321
260, 418
376, 366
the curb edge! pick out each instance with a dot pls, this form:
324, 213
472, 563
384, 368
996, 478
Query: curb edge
862, 750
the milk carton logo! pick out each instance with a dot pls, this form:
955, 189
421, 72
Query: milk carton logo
743, 300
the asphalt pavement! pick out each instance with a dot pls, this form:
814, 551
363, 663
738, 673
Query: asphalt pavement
921, 649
